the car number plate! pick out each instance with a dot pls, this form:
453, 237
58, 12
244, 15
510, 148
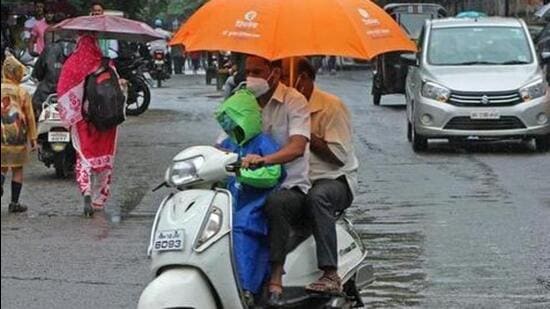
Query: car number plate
57, 137
168, 240
484, 115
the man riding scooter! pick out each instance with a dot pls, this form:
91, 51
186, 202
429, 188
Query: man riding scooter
160, 53
332, 171
286, 117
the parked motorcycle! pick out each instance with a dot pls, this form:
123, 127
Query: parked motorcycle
192, 252
159, 70
139, 94
54, 140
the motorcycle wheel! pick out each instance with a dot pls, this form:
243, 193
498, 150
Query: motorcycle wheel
140, 98
63, 163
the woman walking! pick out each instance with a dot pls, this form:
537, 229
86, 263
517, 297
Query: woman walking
18, 129
95, 149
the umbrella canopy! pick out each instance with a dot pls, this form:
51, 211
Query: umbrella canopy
108, 27
279, 29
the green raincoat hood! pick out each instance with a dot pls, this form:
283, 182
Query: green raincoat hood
240, 116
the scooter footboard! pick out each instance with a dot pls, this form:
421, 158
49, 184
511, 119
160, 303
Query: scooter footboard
184, 287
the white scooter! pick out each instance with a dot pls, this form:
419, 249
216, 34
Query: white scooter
54, 140
191, 245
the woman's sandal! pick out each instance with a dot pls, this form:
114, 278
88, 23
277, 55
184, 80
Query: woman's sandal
326, 284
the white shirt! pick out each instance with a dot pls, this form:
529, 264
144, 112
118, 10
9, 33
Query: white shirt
330, 120
286, 114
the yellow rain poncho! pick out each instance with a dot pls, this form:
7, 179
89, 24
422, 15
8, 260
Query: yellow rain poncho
18, 124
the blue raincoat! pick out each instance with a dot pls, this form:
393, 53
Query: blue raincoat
250, 242
240, 117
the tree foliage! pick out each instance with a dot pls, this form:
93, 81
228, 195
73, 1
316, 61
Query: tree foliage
146, 10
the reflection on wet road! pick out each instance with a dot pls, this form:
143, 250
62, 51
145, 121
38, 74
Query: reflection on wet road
461, 226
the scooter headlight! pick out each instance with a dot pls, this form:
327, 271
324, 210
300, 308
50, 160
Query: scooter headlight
211, 227
435, 92
184, 172
534, 90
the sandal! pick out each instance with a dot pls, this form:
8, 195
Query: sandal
274, 297
326, 284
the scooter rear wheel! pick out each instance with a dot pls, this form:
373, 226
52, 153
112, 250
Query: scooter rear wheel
63, 163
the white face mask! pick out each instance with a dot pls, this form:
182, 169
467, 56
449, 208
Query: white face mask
257, 85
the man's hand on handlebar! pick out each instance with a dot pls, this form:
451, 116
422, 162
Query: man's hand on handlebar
252, 160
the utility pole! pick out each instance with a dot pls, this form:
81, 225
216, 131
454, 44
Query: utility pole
507, 8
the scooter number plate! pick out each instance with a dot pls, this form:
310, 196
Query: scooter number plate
168, 240
159, 61
56, 137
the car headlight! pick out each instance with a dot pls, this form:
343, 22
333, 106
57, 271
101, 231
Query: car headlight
534, 90
435, 92
184, 172
211, 227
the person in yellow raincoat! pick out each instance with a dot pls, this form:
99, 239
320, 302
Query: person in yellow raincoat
18, 129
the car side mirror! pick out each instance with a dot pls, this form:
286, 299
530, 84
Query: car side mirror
545, 56
410, 59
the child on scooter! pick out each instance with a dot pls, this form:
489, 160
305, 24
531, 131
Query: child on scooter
241, 119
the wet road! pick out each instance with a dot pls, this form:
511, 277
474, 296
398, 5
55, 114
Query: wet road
462, 227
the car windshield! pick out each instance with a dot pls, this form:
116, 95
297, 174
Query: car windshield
413, 23
479, 45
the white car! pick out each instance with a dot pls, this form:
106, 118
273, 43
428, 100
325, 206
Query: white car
477, 78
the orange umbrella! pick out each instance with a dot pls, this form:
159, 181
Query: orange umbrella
276, 29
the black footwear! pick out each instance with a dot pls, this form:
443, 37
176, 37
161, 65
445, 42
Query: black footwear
88, 209
16, 207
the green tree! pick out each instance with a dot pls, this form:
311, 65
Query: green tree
132, 8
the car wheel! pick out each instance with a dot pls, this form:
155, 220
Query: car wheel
543, 143
376, 98
420, 142
376, 87
409, 131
